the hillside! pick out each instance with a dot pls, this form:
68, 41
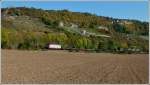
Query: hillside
30, 28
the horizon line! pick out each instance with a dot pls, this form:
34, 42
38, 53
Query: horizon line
79, 12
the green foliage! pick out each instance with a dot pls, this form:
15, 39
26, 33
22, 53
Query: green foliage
5, 40
83, 43
34, 28
119, 28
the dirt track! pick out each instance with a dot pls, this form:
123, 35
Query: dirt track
66, 67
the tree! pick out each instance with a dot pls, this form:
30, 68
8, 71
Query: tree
5, 39
119, 28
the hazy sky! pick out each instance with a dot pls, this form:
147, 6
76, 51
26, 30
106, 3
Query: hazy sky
125, 10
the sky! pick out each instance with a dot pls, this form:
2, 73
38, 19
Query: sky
123, 10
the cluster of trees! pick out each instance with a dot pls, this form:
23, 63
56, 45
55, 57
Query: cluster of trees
12, 39
37, 39
83, 20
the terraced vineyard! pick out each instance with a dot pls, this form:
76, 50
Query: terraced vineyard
69, 67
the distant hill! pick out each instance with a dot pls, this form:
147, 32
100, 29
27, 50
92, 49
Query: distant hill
36, 27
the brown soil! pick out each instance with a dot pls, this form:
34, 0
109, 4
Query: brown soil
68, 67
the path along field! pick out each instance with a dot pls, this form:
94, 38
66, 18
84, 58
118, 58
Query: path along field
69, 67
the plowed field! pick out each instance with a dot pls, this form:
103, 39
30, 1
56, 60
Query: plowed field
69, 67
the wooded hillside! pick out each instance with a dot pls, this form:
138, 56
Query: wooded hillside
30, 28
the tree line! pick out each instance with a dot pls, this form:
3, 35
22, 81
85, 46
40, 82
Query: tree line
15, 38
12, 39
